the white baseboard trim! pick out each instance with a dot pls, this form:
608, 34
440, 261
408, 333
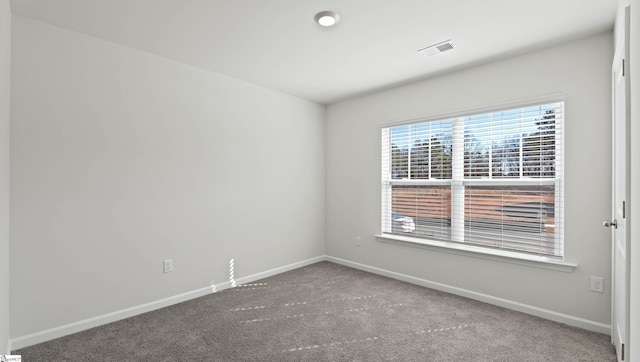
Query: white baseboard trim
280, 270
505, 303
61, 331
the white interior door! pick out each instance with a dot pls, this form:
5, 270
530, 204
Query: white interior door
621, 188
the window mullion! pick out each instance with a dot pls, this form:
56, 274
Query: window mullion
457, 186
490, 146
521, 146
429, 146
386, 180
409, 154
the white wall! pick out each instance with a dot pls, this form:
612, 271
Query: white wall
121, 159
581, 69
5, 61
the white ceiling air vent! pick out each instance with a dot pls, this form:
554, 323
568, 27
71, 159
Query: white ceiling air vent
432, 50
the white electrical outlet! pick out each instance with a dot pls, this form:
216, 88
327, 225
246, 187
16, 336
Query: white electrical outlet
358, 241
168, 265
597, 284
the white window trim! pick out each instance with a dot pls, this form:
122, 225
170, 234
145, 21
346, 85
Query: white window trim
510, 256
554, 98
507, 256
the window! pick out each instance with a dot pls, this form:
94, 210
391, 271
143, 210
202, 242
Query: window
493, 180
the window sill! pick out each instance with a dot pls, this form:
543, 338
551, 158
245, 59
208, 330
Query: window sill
480, 252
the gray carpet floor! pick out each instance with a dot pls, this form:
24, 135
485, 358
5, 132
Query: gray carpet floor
328, 312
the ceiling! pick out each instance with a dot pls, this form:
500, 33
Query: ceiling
277, 44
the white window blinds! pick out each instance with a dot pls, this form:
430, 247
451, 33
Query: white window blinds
493, 179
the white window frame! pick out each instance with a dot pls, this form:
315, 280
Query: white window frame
458, 183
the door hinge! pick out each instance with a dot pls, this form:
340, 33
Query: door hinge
624, 209
622, 354
623, 67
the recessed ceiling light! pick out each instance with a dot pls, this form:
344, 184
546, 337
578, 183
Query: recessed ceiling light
327, 18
